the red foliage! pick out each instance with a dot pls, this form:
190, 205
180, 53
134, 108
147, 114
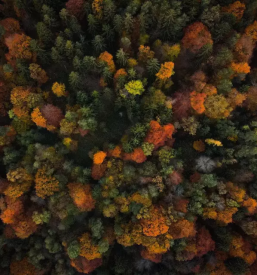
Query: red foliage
181, 105
4, 98
52, 114
10, 25
75, 7
204, 242
195, 177
175, 178
251, 101
199, 80
9, 232
18, 45
98, 171
22, 267
244, 49
83, 132
83, 265
196, 36
158, 135
3, 184
181, 205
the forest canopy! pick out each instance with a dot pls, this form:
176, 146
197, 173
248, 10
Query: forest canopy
128, 137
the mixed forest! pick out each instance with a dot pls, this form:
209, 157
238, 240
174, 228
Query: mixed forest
128, 137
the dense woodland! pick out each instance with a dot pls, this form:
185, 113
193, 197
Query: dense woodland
128, 137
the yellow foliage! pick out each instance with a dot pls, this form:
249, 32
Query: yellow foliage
59, 89
214, 142
135, 87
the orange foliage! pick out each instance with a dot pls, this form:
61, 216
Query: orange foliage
197, 101
16, 190
158, 135
235, 192
84, 266
210, 213
18, 45
115, 153
98, 171
45, 185
87, 248
199, 145
235, 98
108, 59
24, 227
156, 258
12, 212
22, 267
137, 155
97, 7
251, 31
82, 196
156, 224
19, 95
225, 216
38, 118
99, 157
251, 205
102, 83
182, 229
144, 53
240, 248
241, 68
209, 90
166, 71
237, 9
119, 73
196, 36
159, 247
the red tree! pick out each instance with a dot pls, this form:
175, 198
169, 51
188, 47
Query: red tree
196, 36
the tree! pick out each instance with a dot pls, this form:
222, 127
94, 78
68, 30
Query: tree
81, 195
196, 36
